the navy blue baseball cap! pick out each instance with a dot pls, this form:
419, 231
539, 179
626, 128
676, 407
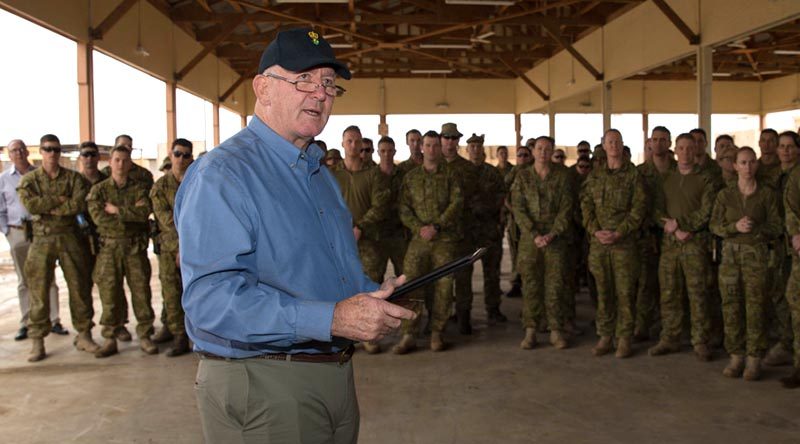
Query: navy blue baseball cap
301, 49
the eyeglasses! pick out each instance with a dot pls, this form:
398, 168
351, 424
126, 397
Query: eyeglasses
51, 149
451, 137
307, 86
89, 154
179, 154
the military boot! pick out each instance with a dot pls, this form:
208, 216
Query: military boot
558, 340
515, 292
792, 381
147, 346
702, 352
624, 349
641, 334
163, 335
84, 342
603, 346
437, 343
752, 370
109, 348
663, 347
122, 334
37, 350
734, 367
572, 330
493, 316
778, 355
464, 323
372, 347
180, 346
530, 339
406, 344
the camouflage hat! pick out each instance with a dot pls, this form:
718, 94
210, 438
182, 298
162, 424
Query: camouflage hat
476, 139
334, 153
450, 130
166, 164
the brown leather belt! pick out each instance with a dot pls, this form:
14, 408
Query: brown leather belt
340, 357
17, 227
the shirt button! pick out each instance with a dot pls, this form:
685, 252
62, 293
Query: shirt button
292, 165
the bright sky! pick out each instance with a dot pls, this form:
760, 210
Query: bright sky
38, 88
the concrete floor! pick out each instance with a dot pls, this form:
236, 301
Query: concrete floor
485, 389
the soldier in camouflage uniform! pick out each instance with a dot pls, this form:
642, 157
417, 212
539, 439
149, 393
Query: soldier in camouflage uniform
54, 196
791, 202
613, 203
120, 207
163, 198
391, 234
683, 204
488, 231
777, 306
652, 170
747, 218
89, 156
524, 160
431, 205
468, 176
414, 142
544, 206
366, 192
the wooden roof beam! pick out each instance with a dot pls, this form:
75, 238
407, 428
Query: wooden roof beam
556, 34
113, 17
233, 87
525, 79
225, 32
694, 39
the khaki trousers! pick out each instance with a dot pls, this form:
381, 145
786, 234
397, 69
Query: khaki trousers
271, 401
19, 253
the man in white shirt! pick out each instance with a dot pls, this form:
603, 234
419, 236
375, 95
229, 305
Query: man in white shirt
13, 217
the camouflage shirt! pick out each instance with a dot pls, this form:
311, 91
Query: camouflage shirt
791, 202
133, 202
367, 196
652, 183
432, 198
137, 173
393, 226
687, 198
163, 197
407, 165
543, 205
761, 207
42, 196
614, 200
488, 204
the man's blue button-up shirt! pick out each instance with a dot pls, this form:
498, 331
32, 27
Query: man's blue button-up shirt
266, 248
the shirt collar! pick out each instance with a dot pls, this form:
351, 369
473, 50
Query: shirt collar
286, 152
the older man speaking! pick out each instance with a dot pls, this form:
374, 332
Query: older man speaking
274, 290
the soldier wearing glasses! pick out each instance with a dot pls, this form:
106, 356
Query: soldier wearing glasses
55, 196
163, 197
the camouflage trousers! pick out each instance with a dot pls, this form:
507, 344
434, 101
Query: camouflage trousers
616, 271
779, 319
570, 281
513, 245
171, 291
118, 259
40, 273
421, 258
491, 273
793, 299
647, 288
543, 273
463, 278
743, 285
683, 269
388, 249
714, 298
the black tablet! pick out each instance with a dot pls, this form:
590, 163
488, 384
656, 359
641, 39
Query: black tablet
444, 270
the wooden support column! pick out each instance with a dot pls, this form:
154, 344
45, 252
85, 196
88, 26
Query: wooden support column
605, 99
383, 128
645, 127
518, 129
172, 123
215, 113
85, 91
704, 81
551, 114
244, 121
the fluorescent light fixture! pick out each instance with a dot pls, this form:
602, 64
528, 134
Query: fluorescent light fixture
480, 2
342, 45
769, 73
721, 74
786, 52
444, 46
431, 71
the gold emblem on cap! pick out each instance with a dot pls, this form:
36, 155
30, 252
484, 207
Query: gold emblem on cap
314, 37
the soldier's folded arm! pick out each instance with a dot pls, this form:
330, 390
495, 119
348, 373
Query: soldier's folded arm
136, 213
161, 209
96, 202
76, 202
33, 202
451, 216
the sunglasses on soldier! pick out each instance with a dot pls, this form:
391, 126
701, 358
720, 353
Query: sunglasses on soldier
51, 149
179, 154
89, 153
